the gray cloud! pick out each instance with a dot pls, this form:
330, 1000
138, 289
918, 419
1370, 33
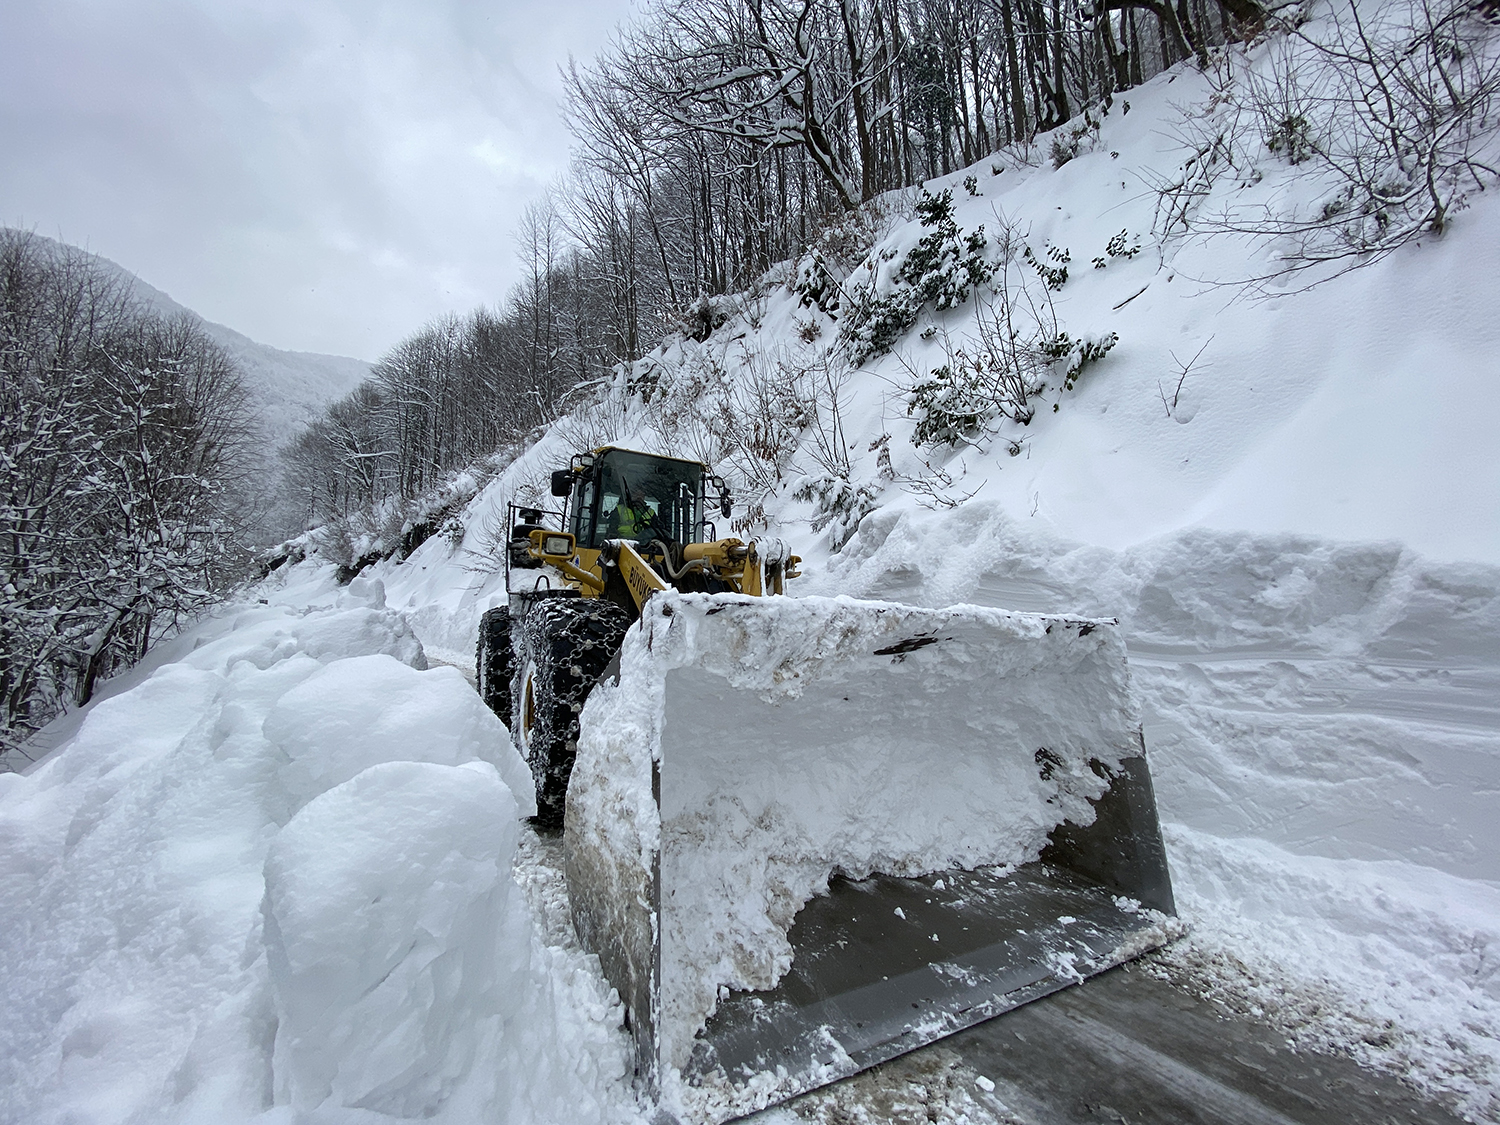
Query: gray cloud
323, 175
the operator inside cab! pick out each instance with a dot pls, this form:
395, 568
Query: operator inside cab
626, 517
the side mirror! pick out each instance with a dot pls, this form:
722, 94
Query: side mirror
724, 504
562, 482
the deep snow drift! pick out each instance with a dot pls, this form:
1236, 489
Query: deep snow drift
279, 872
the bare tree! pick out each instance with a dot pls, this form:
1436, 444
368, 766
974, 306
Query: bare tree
124, 440
1391, 110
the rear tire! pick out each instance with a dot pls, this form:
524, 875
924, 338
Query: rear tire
566, 644
494, 661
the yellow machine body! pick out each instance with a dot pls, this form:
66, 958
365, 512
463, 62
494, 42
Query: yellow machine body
648, 564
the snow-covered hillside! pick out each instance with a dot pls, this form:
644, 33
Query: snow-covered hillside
1300, 535
1286, 495
288, 389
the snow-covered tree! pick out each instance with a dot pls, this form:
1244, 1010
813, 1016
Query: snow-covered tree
122, 437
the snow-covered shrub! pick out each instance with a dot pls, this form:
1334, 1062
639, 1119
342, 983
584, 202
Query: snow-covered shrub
453, 531
942, 269
642, 377
679, 415
814, 283
1179, 198
1054, 269
1075, 355
946, 265
289, 553
394, 527
1119, 246
1018, 350
1074, 140
838, 504
1290, 136
951, 408
707, 314
595, 416
873, 322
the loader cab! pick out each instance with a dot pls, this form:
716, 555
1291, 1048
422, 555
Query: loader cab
622, 494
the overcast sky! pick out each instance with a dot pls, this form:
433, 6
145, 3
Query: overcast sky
323, 175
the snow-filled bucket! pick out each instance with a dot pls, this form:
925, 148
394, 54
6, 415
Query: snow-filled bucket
806, 835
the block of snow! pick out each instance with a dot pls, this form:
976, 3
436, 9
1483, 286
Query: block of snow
365, 710
754, 747
393, 933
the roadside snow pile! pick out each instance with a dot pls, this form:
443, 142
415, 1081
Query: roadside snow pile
278, 873
384, 900
796, 738
1390, 963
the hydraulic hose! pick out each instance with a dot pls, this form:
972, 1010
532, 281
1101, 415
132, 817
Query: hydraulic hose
666, 555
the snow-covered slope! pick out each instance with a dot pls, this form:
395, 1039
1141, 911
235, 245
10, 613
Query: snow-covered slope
288, 388
1287, 497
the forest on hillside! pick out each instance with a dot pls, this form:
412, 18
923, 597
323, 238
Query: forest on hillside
715, 138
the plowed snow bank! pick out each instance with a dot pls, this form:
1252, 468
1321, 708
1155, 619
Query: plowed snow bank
278, 871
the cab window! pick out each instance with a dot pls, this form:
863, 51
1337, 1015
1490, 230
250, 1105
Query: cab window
642, 498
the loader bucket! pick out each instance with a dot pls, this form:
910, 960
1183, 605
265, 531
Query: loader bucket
806, 835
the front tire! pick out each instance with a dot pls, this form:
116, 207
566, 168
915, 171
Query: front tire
494, 662
567, 644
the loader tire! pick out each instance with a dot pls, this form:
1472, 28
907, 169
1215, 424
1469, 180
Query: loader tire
567, 643
494, 662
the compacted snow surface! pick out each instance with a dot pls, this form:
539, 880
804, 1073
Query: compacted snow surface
271, 877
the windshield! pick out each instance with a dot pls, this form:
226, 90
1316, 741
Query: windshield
642, 498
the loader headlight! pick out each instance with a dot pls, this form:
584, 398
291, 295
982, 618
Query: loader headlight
557, 545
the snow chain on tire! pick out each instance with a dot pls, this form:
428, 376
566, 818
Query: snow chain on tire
495, 662
567, 644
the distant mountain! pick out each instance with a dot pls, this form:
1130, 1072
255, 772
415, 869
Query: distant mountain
288, 388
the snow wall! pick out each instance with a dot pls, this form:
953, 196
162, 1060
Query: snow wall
277, 872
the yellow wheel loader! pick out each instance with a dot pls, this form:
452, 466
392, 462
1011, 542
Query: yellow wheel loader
632, 525
806, 835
